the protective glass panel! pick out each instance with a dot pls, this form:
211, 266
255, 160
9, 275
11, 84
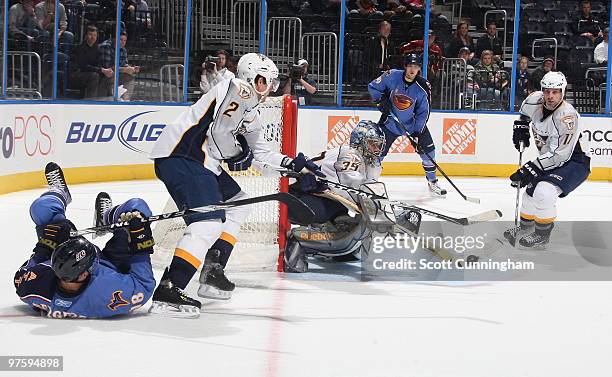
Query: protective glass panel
302, 38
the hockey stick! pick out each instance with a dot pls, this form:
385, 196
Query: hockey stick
302, 212
518, 190
413, 141
468, 220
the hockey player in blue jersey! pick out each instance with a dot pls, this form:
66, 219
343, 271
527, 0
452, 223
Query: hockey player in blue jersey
70, 277
407, 95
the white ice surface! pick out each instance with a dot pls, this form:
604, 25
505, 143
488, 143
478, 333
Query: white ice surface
322, 324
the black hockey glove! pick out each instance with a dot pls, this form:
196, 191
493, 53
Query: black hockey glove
309, 183
520, 132
50, 236
384, 105
526, 175
140, 237
415, 141
243, 160
301, 162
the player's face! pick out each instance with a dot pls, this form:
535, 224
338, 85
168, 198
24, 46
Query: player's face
552, 98
412, 70
374, 146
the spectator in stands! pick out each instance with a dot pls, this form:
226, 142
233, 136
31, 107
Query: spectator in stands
395, 8
86, 70
523, 81
600, 55
382, 49
548, 64
490, 42
466, 55
45, 14
127, 72
139, 11
461, 39
435, 53
585, 24
215, 71
492, 81
299, 84
23, 23
367, 7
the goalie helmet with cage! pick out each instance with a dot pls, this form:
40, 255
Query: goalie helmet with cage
554, 80
369, 140
252, 65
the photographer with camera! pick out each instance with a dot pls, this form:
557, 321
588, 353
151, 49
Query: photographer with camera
214, 71
298, 84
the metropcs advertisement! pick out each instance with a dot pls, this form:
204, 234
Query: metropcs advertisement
79, 135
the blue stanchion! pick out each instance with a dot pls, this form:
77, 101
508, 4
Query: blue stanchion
341, 50
187, 48
262, 27
609, 73
55, 46
4, 49
517, 21
426, 38
117, 54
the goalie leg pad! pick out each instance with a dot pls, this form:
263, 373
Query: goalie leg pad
328, 239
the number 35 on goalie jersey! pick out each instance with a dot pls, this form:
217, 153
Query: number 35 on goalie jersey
206, 131
346, 166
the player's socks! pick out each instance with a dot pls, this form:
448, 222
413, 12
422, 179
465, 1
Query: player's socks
170, 300
539, 238
213, 282
511, 234
57, 182
435, 189
103, 204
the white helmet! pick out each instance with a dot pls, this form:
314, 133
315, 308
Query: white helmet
252, 65
554, 80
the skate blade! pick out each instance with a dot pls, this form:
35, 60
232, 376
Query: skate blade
208, 291
180, 311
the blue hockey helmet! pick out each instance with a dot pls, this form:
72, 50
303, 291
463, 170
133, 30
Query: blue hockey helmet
413, 59
73, 257
369, 140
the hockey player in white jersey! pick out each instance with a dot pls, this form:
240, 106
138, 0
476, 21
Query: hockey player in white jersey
563, 163
222, 126
333, 233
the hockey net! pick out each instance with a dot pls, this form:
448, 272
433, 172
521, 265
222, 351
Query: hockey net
262, 236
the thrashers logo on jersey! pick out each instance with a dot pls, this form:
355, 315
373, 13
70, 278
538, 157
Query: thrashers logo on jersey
401, 101
117, 301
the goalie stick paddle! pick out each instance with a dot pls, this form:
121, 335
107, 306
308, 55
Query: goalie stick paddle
301, 211
465, 197
468, 220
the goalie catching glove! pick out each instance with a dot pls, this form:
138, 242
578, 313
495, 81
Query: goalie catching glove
526, 175
244, 160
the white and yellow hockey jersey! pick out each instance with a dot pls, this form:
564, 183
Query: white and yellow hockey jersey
558, 135
347, 166
206, 131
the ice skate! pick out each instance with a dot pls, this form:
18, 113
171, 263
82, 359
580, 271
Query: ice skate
103, 204
56, 180
213, 282
435, 189
170, 300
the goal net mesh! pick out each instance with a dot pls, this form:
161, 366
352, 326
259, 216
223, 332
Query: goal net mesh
260, 239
